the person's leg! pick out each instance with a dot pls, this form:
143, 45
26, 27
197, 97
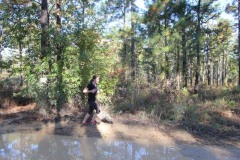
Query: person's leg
85, 118
90, 111
95, 116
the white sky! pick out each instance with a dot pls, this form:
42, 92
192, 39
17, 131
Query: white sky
223, 4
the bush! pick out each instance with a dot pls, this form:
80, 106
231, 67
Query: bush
191, 115
167, 104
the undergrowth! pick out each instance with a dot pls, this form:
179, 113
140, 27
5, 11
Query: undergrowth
213, 110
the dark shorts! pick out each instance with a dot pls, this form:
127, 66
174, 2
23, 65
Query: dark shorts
93, 106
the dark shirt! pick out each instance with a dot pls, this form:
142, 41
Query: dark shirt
91, 96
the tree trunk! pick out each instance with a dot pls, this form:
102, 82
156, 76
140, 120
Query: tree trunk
226, 70
0, 60
239, 42
203, 67
198, 32
44, 26
0, 64
223, 68
219, 64
58, 13
184, 70
167, 67
60, 61
191, 70
178, 67
208, 62
20, 58
82, 49
1, 39
125, 39
133, 56
213, 72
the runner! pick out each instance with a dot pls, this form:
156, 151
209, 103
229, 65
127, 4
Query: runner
92, 90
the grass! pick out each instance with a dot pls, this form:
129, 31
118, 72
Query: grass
213, 111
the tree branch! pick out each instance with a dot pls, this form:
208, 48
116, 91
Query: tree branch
215, 15
51, 8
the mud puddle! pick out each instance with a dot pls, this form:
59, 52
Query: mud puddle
38, 145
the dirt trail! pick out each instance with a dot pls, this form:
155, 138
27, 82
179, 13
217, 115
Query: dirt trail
124, 127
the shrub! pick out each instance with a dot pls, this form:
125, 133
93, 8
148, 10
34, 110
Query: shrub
191, 115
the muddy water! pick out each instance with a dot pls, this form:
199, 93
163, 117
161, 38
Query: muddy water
37, 146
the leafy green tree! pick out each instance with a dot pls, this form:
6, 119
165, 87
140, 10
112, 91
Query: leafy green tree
234, 8
17, 23
224, 36
154, 30
183, 12
205, 11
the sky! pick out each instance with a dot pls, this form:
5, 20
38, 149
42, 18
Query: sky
223, 4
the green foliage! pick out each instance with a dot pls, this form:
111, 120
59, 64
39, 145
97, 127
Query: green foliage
161, 45
222, 104
235, 90
191, 115
5, 64
182, 95
73, 55
178, 112
82, 48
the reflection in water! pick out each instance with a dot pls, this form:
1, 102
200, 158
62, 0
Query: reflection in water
36, 146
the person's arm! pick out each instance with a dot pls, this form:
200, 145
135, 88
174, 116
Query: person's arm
86, 90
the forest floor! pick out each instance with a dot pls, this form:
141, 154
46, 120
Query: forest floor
125, 126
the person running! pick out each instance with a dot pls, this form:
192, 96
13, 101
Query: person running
92, 90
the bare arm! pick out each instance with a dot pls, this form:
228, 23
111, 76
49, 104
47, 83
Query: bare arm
89, 91
85, 90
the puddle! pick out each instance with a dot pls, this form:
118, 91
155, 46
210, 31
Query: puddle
38, 146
